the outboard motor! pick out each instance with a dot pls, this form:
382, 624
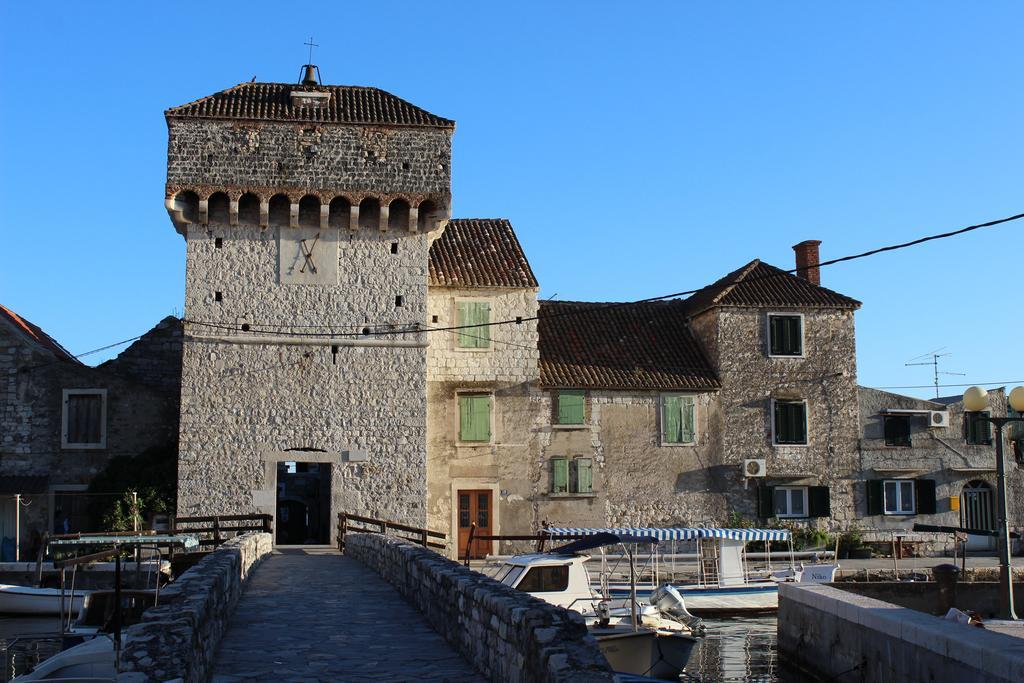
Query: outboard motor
604, 614
670, 603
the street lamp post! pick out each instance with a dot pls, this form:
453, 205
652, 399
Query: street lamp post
975, 401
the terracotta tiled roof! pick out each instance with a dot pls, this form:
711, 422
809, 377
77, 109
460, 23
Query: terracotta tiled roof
34, 334
634, 346
479, 252
272, 102
759, 284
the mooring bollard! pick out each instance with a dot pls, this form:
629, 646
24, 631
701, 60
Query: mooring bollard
946, 576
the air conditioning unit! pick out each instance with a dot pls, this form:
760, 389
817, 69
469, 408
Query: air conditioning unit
938, 418
754, 468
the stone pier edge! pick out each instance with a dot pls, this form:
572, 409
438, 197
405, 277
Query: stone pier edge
845, 637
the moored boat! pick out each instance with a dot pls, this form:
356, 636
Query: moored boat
725, 582
26, 600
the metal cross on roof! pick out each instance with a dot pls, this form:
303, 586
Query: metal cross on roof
311, 45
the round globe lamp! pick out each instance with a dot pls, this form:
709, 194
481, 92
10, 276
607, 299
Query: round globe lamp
1017, 399
975, 399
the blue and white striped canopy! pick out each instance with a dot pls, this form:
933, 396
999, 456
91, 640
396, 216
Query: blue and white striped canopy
678, 533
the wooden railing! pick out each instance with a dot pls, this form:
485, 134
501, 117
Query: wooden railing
348, 522
540, 538
216, 526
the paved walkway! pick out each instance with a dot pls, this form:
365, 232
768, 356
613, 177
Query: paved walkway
315, 615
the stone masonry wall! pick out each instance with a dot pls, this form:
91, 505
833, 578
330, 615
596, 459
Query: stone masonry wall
937, 454
507, 635
826, 377
138, 416
244, 406
249, 154
178, 639
512, 356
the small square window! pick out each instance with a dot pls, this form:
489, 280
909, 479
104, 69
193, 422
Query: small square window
790, 501
785, 335
899, 497
790, 422
572, 476
897, 430
84, 418
571, 407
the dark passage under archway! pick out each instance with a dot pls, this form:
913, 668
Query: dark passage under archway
303, 503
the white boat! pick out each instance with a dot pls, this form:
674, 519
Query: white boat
636, 638
92, 660
38, 601
725, 584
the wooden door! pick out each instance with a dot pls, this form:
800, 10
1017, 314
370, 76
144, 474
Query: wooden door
474, 506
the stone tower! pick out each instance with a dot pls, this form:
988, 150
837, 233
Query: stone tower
308, 213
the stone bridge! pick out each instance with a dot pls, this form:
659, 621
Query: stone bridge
385, 610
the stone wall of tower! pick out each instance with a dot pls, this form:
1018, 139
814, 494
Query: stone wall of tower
302, 382
223, 155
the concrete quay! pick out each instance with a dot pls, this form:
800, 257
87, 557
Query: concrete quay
316, 615
842, 636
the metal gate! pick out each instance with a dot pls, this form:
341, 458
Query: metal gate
978, 512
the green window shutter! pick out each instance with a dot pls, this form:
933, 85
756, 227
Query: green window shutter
818, 502
924, 489
584, 475
672, 419
474, 418
875, 496
559, 475
766, 502
473, 313
571, 407
687, 419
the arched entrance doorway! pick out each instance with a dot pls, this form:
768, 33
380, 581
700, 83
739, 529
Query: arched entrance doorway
977, 511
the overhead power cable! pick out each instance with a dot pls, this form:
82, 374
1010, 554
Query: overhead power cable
965, 384
415, 327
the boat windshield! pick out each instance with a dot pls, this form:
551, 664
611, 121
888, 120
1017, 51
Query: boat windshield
510, 574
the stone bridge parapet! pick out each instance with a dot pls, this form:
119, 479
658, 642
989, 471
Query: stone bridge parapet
507, 635
178, 639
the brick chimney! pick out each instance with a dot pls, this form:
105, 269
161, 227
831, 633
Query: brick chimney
807, 261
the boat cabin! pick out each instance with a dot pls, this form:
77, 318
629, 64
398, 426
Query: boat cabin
558, 579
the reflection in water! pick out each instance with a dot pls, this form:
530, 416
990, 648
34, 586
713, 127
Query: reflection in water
26, 642
738, 649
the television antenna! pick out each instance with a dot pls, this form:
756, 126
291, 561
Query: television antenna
934, 362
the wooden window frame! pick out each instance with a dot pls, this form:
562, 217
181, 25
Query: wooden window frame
803, 335
458, 322
662, 404
807, 424
972, 433
64, 418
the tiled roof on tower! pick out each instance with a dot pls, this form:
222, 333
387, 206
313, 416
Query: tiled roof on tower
644, 346
479, 252
759, 284
324, 104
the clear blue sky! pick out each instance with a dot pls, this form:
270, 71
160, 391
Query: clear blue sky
638, 148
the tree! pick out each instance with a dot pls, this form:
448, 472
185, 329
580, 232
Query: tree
152, 474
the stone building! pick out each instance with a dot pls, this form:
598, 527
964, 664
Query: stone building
324, 278
62, 421
925, 461
308, 212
